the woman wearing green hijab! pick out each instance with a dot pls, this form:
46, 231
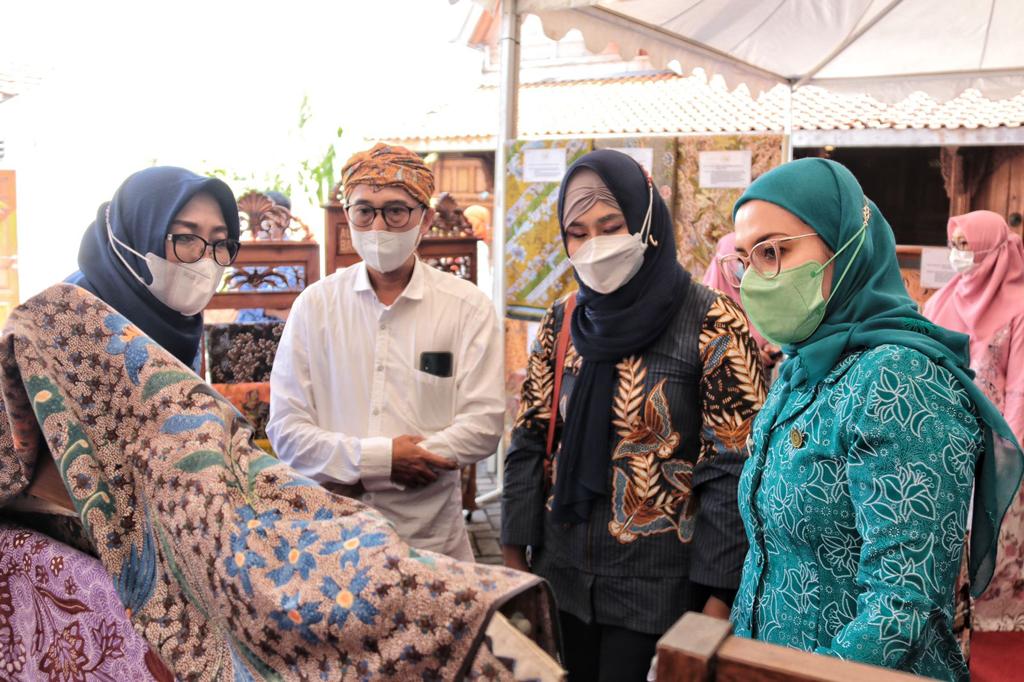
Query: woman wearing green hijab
856, 494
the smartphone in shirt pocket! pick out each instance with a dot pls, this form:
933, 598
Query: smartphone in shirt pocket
436, 364
434, 391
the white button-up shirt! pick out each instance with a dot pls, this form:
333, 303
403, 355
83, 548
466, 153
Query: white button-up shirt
347, 379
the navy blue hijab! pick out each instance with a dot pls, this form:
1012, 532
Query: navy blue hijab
609, 327
140, 216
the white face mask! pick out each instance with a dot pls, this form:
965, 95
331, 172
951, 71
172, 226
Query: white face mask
185, 287
962, 261
608, 262
386, 251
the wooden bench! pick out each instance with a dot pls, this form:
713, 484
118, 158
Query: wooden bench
699, 648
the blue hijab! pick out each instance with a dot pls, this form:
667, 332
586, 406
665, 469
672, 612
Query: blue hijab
140, 215
609, 327
870, 308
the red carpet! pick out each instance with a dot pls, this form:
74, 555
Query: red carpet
997, 656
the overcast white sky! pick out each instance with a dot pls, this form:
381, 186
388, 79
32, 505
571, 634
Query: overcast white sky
203, 85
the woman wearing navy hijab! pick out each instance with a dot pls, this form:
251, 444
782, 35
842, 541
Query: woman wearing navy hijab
157, 251
627, 502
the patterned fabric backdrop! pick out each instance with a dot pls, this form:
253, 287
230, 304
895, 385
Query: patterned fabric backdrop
242, 352
229, 563
704, 215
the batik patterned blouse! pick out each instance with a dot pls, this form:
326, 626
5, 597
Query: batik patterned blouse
855, 500
669, 528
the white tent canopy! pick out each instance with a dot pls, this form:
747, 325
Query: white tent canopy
885, 48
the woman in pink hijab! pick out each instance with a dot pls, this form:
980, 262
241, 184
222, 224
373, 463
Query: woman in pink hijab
715, 278
986, 301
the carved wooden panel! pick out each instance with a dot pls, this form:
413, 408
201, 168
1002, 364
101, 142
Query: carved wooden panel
262, 219
268, 274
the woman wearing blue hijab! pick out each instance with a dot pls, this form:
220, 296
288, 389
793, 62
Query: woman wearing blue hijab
157, 251
856, 494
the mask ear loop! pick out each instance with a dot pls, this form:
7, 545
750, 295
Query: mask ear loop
863, 234
1000, 245
646, 226
113, 239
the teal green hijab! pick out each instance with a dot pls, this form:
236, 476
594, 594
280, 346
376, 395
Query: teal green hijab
870, 308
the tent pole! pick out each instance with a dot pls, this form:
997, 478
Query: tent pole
508, 110
789, 123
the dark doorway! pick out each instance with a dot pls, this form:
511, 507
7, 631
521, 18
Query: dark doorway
906, 184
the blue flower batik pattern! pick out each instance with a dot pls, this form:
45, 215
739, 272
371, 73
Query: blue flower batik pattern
351, 542
130, 342
347, 600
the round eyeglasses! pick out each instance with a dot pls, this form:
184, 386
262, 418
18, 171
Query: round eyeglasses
396, 216
765, 257
190, 248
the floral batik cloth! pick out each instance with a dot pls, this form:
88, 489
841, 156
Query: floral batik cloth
60, 619
230, 564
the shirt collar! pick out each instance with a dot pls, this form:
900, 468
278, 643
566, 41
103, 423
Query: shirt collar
413, 290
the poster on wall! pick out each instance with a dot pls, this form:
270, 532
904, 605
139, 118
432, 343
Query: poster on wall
704, 214
725, 170
537, 272
544, 165
642, 155
656, 154
935, 268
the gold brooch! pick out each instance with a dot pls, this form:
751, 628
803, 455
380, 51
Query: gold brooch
796, 438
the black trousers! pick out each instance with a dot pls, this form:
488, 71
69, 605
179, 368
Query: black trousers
604, 653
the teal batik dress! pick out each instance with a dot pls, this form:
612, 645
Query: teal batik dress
855, 502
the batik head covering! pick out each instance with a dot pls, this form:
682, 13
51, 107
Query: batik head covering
389, 166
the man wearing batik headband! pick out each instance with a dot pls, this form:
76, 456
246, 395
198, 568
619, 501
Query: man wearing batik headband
388, 376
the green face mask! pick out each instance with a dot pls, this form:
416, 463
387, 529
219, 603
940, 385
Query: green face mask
789, 307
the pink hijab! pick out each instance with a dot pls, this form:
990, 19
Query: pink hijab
982, 301
715, 278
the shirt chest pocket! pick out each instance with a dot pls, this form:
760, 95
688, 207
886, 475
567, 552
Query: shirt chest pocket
433, 400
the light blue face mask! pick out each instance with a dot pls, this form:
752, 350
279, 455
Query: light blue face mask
789, 307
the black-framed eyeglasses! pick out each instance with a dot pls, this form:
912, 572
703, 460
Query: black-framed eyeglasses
190, 248
396, 216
